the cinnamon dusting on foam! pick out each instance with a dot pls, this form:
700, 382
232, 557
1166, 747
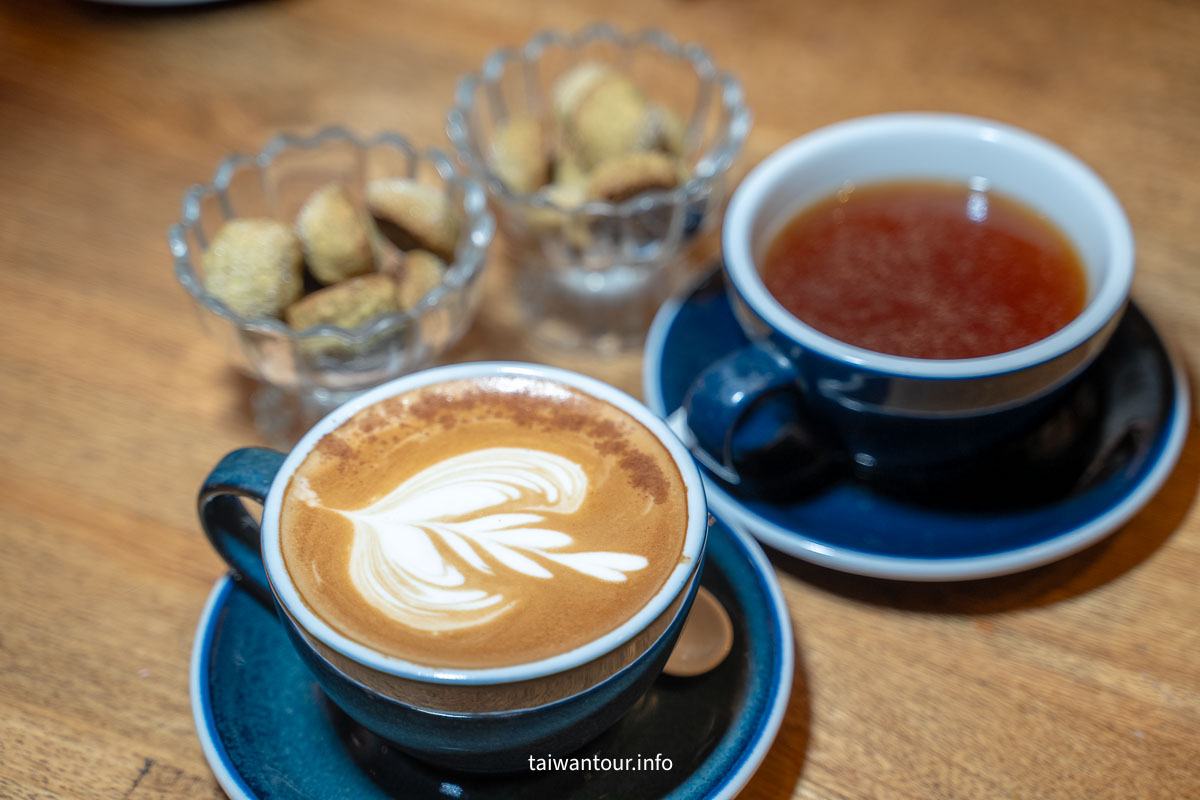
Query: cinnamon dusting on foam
612, 533
609, 437
646, 476
334, 447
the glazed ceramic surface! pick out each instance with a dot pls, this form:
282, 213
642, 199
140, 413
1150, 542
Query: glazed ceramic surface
481, 719
269, 732
889, 413
1138, 434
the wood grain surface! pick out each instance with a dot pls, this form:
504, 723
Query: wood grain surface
1077, 680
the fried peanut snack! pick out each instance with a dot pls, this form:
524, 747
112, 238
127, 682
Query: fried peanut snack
557, 220
567, 195
608, 121
333, 236
519, 154
572, 86
568, 171
420, 273
414, 216
621, 177
254, 266
662, 130
347, 304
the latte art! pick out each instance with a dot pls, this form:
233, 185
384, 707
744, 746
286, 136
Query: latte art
483, 522
396, 562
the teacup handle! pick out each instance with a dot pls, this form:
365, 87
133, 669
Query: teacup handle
247, 473
746, 409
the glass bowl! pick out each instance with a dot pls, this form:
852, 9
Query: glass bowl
592, 275
308, 372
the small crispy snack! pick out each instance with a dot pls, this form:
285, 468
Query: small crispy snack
333, 235
420, 273
568, 171
347, 304
519, 154
414, 216
608, 121
662, 130
254, 266
558, 220
622, 177
567, 195
572, 86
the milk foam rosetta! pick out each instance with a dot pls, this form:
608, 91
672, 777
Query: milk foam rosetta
397, 566
483, 522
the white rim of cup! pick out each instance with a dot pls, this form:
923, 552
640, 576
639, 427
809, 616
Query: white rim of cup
874, 130
697, 526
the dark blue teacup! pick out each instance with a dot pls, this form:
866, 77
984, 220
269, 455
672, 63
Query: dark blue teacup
489, 719
796, 400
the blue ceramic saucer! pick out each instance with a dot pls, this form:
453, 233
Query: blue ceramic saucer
847, 527
269, 733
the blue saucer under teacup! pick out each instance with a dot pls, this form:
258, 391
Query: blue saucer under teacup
1126, 416
269, 733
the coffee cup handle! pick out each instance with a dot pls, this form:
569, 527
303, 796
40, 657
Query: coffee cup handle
234, 534
744, 413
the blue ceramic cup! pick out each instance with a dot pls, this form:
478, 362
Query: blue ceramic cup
886, 414
489, 719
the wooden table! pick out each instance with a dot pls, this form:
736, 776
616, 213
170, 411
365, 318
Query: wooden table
1077, 680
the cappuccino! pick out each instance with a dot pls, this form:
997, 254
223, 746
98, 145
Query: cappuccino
483, 522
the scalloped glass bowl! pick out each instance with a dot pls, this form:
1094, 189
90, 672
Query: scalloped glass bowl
593, 276
309, 372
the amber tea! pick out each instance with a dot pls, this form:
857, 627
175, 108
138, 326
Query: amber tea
926, 269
